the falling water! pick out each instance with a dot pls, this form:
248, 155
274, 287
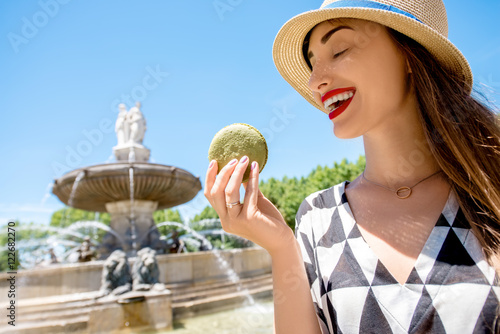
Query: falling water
110, 159
95, 224
231, 274
71, 198
208, 223
33, 249
47, 194
131, 155
58, 230
78, 178
133, 231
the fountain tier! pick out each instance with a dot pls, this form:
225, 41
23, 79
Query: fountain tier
130, 192
101, 184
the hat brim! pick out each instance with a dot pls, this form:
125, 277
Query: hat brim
290, 62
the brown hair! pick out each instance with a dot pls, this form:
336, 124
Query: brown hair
463, 135
464, 138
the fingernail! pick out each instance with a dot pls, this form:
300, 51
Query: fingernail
232, 162
253, 165
244, 159
211, 164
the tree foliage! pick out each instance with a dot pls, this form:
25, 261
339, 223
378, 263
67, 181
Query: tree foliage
68, 216
167, 215
288, 193
207, 213
24, 233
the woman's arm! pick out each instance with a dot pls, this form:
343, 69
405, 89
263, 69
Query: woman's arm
293, 306
258, 220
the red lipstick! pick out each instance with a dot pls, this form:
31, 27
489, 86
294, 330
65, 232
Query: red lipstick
335, 92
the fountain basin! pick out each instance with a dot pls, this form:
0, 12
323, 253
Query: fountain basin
169, 186
177, 271
62, 298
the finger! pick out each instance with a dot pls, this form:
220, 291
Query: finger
210, 178
233, 186
252, 187
217, 193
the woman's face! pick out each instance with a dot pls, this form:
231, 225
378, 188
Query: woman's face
358, 76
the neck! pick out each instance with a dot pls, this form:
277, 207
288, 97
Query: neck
398, 154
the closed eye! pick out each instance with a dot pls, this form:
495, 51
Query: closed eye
339, 54
335, 56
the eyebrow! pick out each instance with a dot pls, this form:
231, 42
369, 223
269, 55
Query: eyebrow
327, 36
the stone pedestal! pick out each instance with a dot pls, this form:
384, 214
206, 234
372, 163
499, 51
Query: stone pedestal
131, 152
132, 311
134, 225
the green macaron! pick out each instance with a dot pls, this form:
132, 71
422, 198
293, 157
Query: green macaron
235, 141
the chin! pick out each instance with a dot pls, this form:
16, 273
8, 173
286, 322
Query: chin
344, 133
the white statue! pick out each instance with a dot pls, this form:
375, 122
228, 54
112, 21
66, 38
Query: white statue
137, 124
122, 127
130, 126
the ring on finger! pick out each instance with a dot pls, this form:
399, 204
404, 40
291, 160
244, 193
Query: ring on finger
230, 205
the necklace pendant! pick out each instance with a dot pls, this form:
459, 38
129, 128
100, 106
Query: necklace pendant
401, 191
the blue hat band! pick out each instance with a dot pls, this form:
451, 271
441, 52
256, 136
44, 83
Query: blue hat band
369, 4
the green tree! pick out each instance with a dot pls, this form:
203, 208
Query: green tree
167, 215
24, 233
207, 213
68, 216
287, 194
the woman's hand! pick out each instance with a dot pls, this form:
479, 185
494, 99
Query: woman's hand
256, 219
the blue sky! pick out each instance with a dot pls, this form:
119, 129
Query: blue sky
195, 67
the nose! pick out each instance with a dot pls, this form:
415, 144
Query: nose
320, 78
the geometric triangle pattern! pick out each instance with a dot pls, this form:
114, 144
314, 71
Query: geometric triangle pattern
451, 289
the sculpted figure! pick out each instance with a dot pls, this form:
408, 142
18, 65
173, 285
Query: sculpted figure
177, 244
122, 126
116, 279
85, 252
137, 124
53, 257
145, 271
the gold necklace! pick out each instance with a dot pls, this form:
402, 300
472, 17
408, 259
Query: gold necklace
401, 190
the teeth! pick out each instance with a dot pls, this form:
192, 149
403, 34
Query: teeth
339, 97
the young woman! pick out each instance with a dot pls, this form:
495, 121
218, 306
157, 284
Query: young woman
411, 245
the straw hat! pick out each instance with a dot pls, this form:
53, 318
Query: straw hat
423, 20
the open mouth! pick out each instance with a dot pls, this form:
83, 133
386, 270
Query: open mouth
337, 100
340, 101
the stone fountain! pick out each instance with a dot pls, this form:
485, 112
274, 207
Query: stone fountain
75, 297
130, 189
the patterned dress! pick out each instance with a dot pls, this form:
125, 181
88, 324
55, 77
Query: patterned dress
451, 288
